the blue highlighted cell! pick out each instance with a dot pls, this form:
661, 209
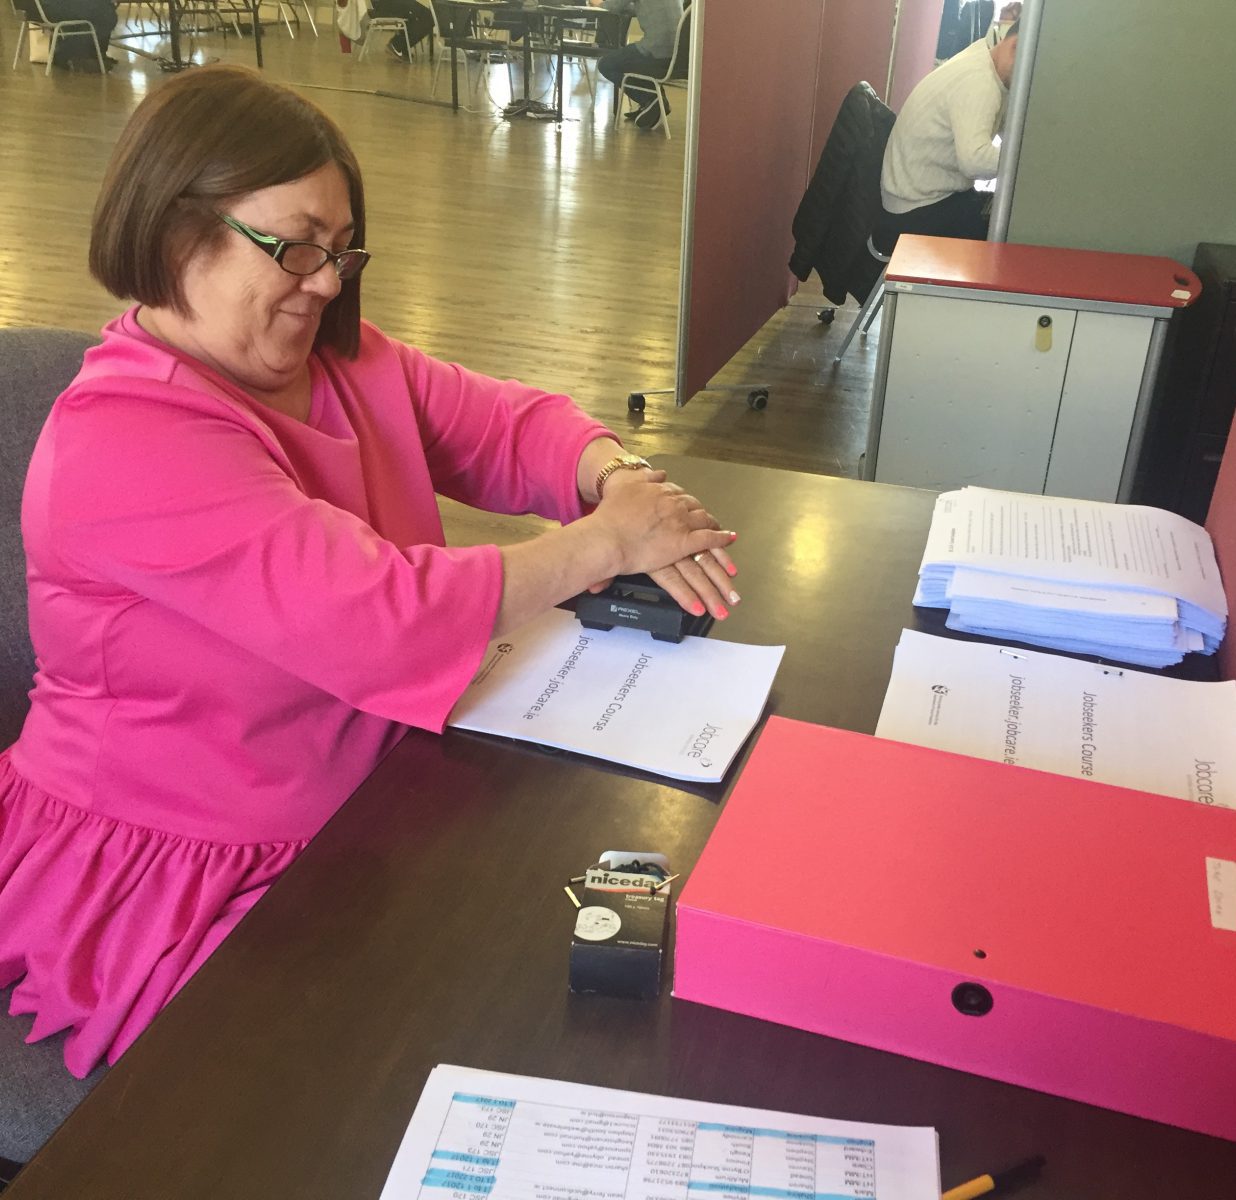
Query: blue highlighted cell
476, 1160
487, 1101
459, 1181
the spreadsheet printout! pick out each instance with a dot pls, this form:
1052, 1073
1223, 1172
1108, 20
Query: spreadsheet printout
479, 1134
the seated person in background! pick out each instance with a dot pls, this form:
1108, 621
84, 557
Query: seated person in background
649, 56
240, 595
76, 53
942, 141
417, 20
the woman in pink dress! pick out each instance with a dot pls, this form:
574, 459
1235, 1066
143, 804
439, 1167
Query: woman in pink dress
240, 595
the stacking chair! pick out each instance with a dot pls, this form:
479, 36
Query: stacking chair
589, 34
657, 83
287, 14
55, 30
458, 39
207, 16
383, 26
285, 8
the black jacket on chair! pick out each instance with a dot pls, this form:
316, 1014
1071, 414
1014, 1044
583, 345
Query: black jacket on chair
842, 203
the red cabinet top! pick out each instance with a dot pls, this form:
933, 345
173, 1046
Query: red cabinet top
1093, 275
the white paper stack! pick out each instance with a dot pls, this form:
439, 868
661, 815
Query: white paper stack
1120, 581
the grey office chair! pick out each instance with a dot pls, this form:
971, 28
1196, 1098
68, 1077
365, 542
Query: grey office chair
36, 365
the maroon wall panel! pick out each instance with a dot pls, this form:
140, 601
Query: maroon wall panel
757, 102
855, 44
1221, 522
918, 30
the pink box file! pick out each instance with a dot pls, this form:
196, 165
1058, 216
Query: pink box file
853, 884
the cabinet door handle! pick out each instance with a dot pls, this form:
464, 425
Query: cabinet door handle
1042, 334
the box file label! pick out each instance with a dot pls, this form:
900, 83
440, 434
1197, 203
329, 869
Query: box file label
1221, 880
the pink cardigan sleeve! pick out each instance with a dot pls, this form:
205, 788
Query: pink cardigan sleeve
193, 511
153, 481
497, 445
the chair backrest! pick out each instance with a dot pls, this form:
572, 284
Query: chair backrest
677, 68
841, 207
36, 15
36, 365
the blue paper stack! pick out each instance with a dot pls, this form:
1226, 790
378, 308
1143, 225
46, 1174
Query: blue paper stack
1137, 585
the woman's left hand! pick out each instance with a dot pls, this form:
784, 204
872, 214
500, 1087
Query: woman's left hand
702, 583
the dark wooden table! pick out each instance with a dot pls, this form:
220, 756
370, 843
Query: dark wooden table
427, 924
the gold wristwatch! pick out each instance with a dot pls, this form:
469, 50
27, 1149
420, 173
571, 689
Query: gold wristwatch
621, 462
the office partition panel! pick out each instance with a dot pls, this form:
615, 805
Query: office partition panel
1221, 523
1124, 128
856, 42
914, 47
753, 80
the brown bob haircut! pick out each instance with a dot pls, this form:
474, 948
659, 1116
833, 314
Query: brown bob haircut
199, 142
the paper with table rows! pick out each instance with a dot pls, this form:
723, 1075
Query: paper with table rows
682, 710
1176, 737
479, 1134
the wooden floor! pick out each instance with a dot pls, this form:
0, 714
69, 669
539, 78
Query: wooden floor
540, 251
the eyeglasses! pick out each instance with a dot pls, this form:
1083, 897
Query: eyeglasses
301, 258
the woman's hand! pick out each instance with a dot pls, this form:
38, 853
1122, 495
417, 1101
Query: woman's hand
642, 524
663, 531
701, 583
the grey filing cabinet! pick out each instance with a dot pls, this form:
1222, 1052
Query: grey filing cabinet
1026, 368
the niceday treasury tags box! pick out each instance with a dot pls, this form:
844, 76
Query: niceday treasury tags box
1054, 933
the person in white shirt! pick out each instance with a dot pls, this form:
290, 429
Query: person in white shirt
942, 141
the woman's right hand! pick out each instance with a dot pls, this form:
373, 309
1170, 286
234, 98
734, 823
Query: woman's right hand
653, 524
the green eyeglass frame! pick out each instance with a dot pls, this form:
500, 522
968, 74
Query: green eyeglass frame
301, 258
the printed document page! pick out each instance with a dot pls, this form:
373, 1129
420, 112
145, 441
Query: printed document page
1114, 725
1048, 537
681, 710
509, 1137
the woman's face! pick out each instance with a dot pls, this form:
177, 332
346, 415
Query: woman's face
252, 320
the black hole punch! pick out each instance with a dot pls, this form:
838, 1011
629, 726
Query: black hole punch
1044, 321
972, 1000
980, 954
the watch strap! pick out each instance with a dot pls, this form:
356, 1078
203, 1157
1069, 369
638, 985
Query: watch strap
620, 462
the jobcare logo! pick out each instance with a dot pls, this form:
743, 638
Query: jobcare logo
1204, 781
698, 746
500, 651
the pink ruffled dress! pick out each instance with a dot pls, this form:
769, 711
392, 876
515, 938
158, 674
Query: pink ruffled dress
235, 615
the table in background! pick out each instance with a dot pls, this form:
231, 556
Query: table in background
550, 22
175, 12
427, 924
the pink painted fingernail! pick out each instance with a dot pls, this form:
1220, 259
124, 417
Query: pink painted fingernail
698, 608
731, 570
721, 613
